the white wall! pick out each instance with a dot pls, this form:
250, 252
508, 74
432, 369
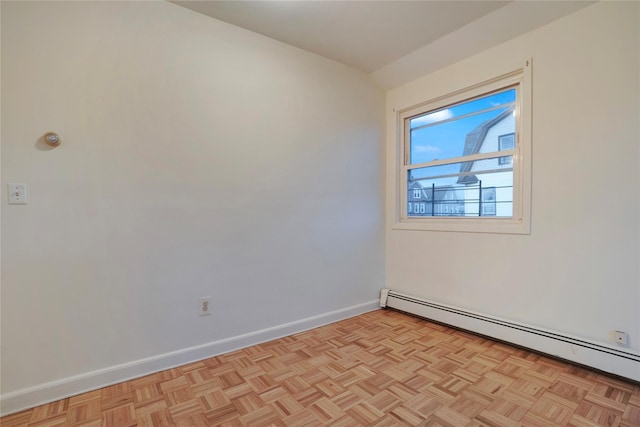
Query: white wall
197, 159
578, 271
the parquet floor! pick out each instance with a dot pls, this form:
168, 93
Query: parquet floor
382, 368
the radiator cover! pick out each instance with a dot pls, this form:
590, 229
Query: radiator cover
609, 359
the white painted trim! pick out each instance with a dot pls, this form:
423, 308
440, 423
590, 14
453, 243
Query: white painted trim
70, 386
519, 76
615, 360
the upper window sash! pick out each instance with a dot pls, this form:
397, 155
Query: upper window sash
429, 124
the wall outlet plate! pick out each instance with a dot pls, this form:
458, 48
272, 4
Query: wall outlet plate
621, 337
204, 306
17, 194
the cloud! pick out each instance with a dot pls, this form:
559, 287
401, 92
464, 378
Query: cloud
427, 149
434, 117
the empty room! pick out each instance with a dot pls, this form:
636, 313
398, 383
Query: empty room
307, 213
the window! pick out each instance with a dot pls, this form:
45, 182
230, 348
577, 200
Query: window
488, 200
470, 150
506, 142
416, 194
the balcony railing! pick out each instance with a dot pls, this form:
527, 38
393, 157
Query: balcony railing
459, 201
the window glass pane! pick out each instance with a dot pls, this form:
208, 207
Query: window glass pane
463, 129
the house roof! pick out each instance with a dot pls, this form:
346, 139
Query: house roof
473, 143
439, 193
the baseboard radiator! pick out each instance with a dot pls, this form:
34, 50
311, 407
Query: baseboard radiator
617, 361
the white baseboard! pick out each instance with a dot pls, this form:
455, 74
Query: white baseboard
48, 392
607, 358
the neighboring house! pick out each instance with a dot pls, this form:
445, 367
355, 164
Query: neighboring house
489, 194
434, 201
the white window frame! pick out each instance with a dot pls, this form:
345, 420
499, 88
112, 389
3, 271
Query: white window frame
520, 222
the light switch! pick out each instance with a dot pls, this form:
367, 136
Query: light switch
17, 194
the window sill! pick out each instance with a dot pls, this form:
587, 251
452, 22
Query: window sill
465, 225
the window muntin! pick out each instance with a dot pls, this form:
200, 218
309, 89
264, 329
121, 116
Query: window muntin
473, 169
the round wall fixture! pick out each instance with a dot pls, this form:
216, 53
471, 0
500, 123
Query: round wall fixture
52, 139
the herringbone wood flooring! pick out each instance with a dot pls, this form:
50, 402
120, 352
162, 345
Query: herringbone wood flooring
383, 368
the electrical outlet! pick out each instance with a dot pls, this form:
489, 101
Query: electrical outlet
204, 306
17, 194
621, 338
